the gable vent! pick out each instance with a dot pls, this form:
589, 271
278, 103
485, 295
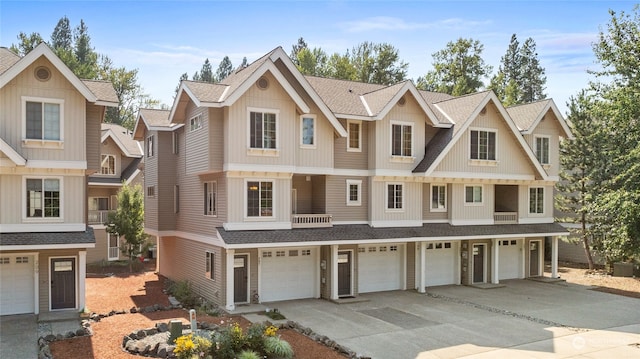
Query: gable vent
263, 83
402, 101
42, 73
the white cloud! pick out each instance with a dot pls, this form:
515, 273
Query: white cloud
387, 23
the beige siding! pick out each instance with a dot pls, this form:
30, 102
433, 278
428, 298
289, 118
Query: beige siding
352, 160
321, 155
319, 204
273, 98
304, 194
462, 213
236, 189
196, 142
110, 148
410, 113
337, 199
510, 156
98, 253
412, 211
216, 139
427, 213
191, 217
523, 201
548, 127
151, 179
95, 115
73, 118
166, 183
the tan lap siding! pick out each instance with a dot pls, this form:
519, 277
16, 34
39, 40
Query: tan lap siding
336, 194
100, 251
94, 118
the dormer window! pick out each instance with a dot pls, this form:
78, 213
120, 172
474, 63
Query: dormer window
263, 129
108, 165
542, 149
401, 139
483, 145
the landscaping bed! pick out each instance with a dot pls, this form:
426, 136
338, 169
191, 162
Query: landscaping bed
599, 279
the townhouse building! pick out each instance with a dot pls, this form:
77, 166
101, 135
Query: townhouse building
271, 185
49, 144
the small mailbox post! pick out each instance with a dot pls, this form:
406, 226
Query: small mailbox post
192, 319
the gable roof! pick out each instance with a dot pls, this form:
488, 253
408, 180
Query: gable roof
154, 120
122, 138
462, 111
528, 116
103, 95
226, 92
12, 154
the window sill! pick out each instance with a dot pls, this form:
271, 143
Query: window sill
394, 210
50, 144
354, 149
354, 204
484, 163
438, 210
308, 147
42, 220
402, 159
259, 219
473, 204
546, 166
270, 152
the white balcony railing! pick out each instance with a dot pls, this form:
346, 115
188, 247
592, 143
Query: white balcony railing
311, 221
505, 217
98, 217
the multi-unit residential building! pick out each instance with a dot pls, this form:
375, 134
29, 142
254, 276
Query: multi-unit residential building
271, 185
49, 144
120, 162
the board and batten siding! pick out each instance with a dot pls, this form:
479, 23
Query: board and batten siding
348, 159
409, 113
510, 156
237, 190
412, 210
73, 118
196, 141
273, 98
337, 199
321, 154
427, 213
548, 127
14, 198
166, 183
462, 213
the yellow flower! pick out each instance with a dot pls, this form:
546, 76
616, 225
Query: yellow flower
270, 331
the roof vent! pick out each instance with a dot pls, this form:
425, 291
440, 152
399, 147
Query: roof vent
42, 73
263, 83
402, 101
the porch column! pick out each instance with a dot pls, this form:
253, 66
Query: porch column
82, 275
157, 254
230, 290
495, 259
334, 271
554, 257
422, 267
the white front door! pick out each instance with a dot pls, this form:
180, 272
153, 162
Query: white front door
289, 273
380, 267
441, 263
17, 288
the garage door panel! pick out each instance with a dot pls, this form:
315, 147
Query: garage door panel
380, 268
509, 258
440, 263
288, 274
16, 285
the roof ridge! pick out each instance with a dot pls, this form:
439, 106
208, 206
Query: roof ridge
386, 87
530, 103
463, 96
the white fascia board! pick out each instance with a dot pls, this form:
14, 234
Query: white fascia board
133, 175
107, 103
446, 115
479, 175
366, 106
36, 247
76, 165
411, 88
12, 154
102, 184
119, 143
216, 241
248, 167
42, 227
347, 116
563, 123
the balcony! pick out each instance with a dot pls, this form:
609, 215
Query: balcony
505, 217
311, 221
98, 217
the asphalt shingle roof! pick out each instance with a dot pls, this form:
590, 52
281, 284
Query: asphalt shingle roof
125, 138
103, 90
437, 144
365, 232
7, 59
525, 115
155, 117
47, 238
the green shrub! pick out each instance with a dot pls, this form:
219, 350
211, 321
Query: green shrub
248, 354
231, 340
255, 337
183, 292
278, 348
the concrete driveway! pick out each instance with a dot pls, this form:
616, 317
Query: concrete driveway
523, 319
18, 336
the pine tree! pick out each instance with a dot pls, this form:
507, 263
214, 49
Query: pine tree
295, 49
86, 57
225, 68
62, 37
532, 75
206, 72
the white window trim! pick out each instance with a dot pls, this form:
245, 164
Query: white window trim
109, 258
215, 212
150, 150
315, 131
273, 200
42, 143
480, 162
359, 148
212, 273
535, 148
359, 184
115, 164
195, 123
273, 152
386, 193
401, 158
472, 204
23, 197
535, 214
175, 143
431, 198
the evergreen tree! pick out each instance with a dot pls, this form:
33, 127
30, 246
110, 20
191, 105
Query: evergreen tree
378, 63
244, 63
26, 43
295, 49
206, 72
62, 37
311, 62
225, 68
86, 57
532, 75
458, 69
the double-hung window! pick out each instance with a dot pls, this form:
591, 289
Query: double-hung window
308, 131
483, 145
43, 198
43, 119
536, 200
395, 198
354, 192
150, 141
262, 129
401, 139
542, 149
210, 192
108, 165
473, 195
259, 199
354, 130
210, 265
438, 198
195, 123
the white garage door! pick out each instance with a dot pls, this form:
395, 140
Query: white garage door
288, 273
16, 285
380, 267
441, 263
509, 258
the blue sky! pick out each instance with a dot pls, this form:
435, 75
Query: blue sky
164, 39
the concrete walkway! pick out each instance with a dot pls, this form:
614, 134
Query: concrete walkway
523, 319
